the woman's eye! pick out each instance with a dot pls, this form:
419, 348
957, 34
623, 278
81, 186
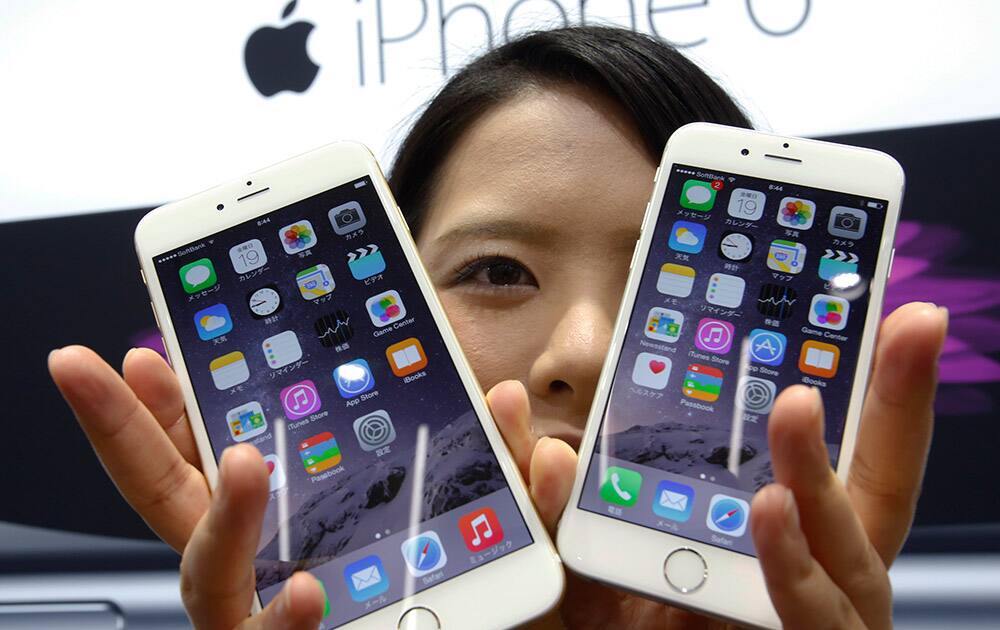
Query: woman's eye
496, 272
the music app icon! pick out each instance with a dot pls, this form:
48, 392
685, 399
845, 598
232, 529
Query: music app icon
481, 529
714, 335
300, 400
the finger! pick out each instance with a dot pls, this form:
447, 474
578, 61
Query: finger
801, 462
217, 575
553, 469
155, 384
300, 605
509, 405
896, 424
802, 593
152, 475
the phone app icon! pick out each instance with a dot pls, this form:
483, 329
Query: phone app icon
406, 357
480, 529
673, 501
297, 237
353, 378
736, 246
796, 213
198, 275
281, 349
300, 400
786, 256
319, 453
248, 256
651, 370
385, 308
347, 218
365, 262
229, 370
746, 204
687, 237
714, 335
276, 479
767, 346
664, 324
819, 359
756, 394
838, 266
847, 222
374, 430
697, 195
213, 322
334, 329
676, 280
728, 515
264, 302
621, 486
423, 554
315, 282
829, 311
725, 290
366, 578
776, 300
246, 421
702, 382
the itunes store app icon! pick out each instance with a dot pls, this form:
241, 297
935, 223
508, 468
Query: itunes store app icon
300, 400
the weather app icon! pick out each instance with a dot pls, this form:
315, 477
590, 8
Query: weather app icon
687, 237
213, 322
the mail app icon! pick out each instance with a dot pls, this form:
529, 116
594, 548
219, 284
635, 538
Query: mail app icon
366, 578
673, 501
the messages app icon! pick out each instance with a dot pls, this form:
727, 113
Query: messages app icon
673, 500
366, 578
197, 275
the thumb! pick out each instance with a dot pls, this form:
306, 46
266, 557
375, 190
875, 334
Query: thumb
301, 605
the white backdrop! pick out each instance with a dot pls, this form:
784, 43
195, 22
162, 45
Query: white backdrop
126, 103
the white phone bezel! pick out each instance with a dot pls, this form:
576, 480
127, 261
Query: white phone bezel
634, 561
531, 576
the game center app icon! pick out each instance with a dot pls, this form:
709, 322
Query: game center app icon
714, 335
319, 453
300, 400
423, 554
353, 378
651, 370
246, 421
728, 515
687, 237
366, 578
297, 237
697, 195
213, 322
829, 311
385, 308
664, 324
796, 213
702, 382
480, 529
197, 275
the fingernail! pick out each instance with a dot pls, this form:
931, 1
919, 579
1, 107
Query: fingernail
52, 352
931, 304
945, 311
791, 511
285, 604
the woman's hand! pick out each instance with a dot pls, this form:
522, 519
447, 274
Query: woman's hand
824, 548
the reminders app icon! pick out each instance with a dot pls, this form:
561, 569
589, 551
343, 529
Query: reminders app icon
673, 500
366, 578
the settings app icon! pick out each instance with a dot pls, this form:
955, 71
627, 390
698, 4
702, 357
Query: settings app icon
374, 430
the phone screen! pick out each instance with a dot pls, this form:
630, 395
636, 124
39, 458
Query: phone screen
749, 286
308, 323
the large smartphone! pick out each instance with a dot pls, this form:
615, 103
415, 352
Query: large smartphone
299, 319
762, 262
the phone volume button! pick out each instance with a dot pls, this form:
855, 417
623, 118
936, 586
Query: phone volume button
635, 252
142, 274
892, 259
155, 318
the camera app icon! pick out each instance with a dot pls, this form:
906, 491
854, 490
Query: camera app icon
847, 222
347, 218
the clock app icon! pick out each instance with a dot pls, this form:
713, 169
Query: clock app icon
736, 246
264, 302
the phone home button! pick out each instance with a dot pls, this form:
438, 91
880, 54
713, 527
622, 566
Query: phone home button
685, 570
419, 618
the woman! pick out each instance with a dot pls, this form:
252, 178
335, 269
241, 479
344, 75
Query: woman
524, 183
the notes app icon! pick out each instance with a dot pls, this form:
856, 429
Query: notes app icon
480, 529
676, 280
229, 370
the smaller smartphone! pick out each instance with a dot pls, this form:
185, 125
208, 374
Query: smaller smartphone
299, 319
761, 263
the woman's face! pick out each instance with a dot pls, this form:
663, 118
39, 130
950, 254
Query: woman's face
528, 238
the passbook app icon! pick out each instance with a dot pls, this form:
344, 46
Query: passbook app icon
480, 529
366, 578
673, 501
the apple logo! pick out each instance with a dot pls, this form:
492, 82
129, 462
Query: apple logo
276, 58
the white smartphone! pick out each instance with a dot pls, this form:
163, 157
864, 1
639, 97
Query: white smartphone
299, 319
762, 262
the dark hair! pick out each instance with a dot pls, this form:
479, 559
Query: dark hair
658, 89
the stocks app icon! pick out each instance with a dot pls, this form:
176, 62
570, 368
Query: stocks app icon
776, 300
334, 329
